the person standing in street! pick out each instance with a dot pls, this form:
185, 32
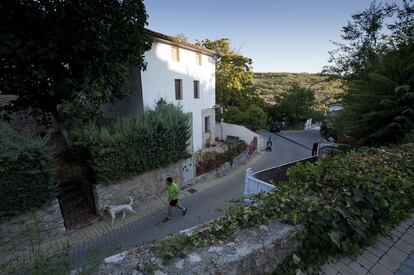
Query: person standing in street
315, 149
173, 192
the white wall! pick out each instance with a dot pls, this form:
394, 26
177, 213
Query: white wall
158, 82
226, 129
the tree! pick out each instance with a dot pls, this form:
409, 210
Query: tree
296, 104
233, 73
377, 69
233, 115
254, 117
380, 109
403, 27
362, 40
180, 37
70, 57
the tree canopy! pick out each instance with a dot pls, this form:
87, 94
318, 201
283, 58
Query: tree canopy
294, 105
378, 69
233, 73
70, 57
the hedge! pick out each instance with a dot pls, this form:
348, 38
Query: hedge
342, 203
27, 177
133, 145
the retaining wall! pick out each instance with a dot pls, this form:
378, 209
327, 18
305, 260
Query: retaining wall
143, 188
254, 251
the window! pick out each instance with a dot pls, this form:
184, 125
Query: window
196, 89
206, 124
198, 58
23, 116
48, 121
175, 54
178, 89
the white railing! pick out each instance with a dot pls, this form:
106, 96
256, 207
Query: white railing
254, 186
254, 182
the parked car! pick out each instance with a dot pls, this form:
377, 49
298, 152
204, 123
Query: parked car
275, 127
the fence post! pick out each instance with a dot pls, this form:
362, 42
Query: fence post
249, 174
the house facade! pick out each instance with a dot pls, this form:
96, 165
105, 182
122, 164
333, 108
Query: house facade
179, 73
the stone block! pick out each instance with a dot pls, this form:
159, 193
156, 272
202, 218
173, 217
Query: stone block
390, 263
379, 269
369, 256
327, 269
360, 270
408, 238
386, 241
345, 260
376, 251
363, 261
344, 269
397, 254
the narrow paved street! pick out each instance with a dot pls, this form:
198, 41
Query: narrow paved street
203, 206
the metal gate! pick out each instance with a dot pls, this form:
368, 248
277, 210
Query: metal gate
75, 197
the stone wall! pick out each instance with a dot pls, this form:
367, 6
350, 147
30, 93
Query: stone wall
224, 169
256, 250
143, 188
17, 232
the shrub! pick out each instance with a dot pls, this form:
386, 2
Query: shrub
233, 115
134, 145
27, 178
254, 117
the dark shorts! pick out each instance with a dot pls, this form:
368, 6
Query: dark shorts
173, 202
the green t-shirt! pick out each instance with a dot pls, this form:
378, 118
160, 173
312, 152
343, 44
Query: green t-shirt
173, 191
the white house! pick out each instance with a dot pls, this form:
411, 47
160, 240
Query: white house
180, 73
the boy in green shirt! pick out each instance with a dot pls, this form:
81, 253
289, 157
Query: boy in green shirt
173, 191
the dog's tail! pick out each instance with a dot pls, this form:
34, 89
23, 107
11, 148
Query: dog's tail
130, 200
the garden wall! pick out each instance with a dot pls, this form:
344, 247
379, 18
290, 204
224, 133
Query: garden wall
143, 188
223, 130
22, 227
224, 169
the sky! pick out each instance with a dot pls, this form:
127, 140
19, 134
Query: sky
279, 35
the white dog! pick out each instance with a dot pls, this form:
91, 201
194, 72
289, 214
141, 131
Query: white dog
115, 210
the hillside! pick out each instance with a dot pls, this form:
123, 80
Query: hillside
270, 85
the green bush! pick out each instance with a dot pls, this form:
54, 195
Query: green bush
27, 178
253, 117
134, 145
345, 202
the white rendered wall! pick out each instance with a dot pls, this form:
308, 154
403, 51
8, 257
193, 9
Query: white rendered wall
158, 82
227, 129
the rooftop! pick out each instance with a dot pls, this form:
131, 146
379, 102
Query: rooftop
178, 43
